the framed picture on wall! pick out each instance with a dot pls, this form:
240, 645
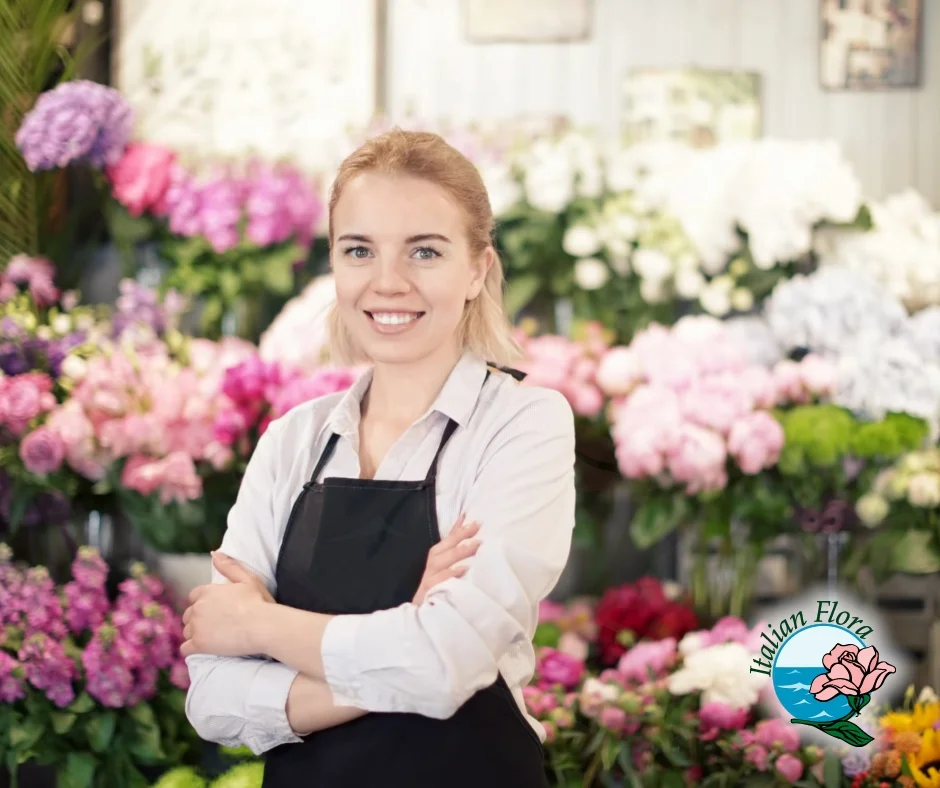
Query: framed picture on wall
870, 44
698, 106
528, 21
276, 79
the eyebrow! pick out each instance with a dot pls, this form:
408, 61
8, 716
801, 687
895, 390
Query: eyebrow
411, 239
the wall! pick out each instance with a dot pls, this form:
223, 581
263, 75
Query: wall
892, 138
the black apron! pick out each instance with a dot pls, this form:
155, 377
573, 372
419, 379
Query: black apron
355, 546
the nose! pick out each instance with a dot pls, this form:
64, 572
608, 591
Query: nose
390, 275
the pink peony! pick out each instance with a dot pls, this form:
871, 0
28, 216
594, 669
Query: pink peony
558, 668
790, 767
550, 611
140, 178
775, 734
613, 718
42, 451
647, 660
850, 672
755, 441
715, 402
715, 717
820, 376
756, 755
788, 381
698, 460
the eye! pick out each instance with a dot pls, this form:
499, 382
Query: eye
356, 252
426, 253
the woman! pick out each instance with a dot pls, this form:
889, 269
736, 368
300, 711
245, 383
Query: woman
344, 677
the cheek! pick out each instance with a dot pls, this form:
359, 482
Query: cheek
349, 284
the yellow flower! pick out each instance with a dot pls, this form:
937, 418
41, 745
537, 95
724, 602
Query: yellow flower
925, 766
923, 717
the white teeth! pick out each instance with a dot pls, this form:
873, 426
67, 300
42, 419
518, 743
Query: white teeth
394, 318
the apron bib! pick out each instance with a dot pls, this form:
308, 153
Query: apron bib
356, 546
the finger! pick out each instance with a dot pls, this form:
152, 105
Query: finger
187, 614
457, 535
188, 632
450, 557
231, 569
187, 649
197, 593
447, 574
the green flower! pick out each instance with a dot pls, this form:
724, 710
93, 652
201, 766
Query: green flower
182, 777
245, 775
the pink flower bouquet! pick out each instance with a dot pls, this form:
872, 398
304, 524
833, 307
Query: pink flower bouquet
90, 684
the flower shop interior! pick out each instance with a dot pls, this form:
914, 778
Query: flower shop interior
719, 222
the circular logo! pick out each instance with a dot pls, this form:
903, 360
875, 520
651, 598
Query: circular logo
798, 665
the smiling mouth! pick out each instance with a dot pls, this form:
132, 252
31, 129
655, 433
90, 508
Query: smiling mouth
394, 318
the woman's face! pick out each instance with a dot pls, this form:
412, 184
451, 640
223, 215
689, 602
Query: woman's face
402, 267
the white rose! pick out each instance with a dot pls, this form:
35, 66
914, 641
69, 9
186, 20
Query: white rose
716, 297
580, 241
693, 641
871, 509
74, 367
591, 273
625, 226
618, 371
62, 324
742, 299
652, 264
549, 184
653, 291
923, 490
689, 282
503, 190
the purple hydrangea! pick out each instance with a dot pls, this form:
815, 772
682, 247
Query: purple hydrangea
281, 205
139, 305
855, 762
76, 121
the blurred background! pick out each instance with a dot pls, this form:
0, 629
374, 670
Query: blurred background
719, 223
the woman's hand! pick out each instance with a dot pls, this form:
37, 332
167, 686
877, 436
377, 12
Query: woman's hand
220, 619
455, 547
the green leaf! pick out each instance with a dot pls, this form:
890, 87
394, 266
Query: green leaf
657, 518
62, 722
26, 734
82, 704
279, 269
78, 771
849, 732
520, 291
672, 779
146, 746
832, 770
100, 730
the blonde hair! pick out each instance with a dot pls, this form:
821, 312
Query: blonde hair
484, 328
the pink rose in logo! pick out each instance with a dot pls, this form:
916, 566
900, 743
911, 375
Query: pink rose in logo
851, 672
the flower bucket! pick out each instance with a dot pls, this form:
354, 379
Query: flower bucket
182, 572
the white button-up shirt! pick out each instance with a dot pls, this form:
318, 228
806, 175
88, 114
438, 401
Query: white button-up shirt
509, 466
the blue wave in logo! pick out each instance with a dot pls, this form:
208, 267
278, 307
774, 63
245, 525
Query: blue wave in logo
802, 702
821, 715
794, 672
796, 686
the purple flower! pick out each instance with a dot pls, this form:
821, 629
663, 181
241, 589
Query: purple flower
11, 686
48, 668
42, 451
221, 211
76, 121
141, 306
109, 671
281, 205
855, 763
183, 203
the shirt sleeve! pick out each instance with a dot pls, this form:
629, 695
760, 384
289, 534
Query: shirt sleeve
242, 701
430, 659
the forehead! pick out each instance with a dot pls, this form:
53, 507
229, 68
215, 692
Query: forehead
395, 205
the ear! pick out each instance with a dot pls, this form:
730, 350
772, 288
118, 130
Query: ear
480, 269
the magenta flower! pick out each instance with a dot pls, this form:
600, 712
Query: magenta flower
42, 451
141, 177
716, 717
851, 672
558, 668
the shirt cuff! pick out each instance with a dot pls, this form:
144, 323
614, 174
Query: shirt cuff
341, 672
267, 702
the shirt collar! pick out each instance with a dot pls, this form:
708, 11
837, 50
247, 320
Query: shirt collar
456, 400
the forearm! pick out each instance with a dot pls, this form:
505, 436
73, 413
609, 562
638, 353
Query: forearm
310, 707
292, 637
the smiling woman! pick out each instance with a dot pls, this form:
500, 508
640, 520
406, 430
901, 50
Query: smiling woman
355, 633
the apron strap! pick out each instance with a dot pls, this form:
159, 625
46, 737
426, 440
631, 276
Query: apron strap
448, 431
324, 458
515, 373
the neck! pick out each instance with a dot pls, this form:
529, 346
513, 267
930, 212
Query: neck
404, 392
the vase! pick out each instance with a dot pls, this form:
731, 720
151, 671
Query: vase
182, 572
